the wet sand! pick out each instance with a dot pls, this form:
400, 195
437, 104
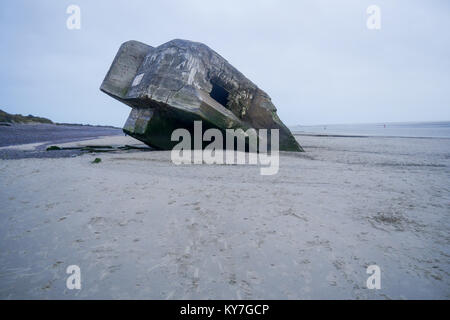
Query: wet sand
141, 227
35, 138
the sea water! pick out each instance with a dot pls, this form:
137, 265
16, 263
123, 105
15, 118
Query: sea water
398, 129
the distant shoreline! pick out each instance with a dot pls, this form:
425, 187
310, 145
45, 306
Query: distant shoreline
387, 130
306, 134
397, 123
9, 119
17, 134
86, 125
8, 124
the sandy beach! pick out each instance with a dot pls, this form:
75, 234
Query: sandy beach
140, 227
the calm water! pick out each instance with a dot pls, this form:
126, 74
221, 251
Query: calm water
405, 129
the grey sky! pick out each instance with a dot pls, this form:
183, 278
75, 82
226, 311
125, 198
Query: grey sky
316, 59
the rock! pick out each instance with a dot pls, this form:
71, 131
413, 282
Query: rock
171, 86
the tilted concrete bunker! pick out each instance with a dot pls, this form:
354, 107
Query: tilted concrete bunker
171, 86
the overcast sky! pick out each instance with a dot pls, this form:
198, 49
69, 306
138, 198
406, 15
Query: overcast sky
317, 59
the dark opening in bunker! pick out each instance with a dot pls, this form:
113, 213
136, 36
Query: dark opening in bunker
219, 94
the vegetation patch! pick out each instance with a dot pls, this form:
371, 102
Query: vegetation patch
52, 148
18, 118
